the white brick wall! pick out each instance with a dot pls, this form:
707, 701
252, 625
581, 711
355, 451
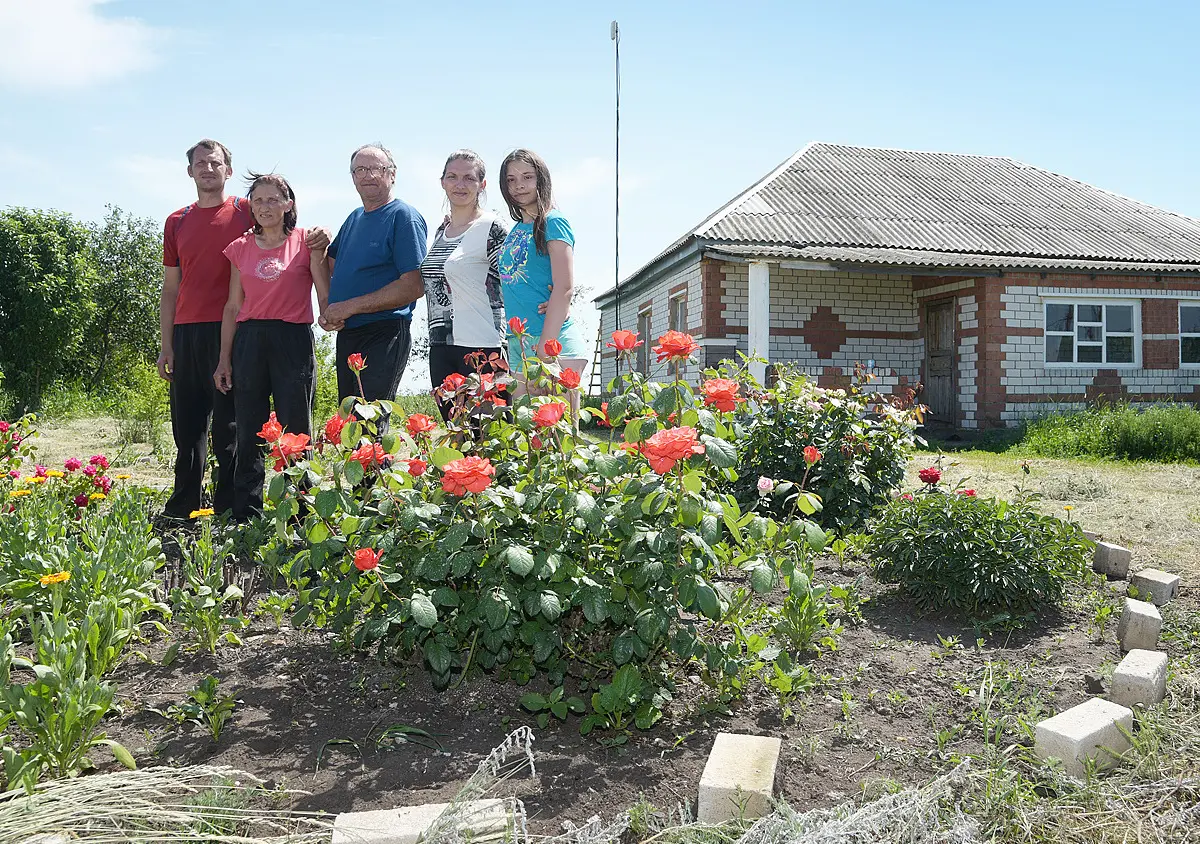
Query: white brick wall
968, 363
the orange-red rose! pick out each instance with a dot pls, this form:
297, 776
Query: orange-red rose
467, 474
356, 362
517, 325
665, 448
569, 378
624, 341
366, 559
416, 467
548, 415
288, 446
676, 346
368, 454
722, 393
811, 454
333, 429
271, 429
452, 382
553, 348
419, 423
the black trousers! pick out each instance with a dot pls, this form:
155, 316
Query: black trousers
384, 345
197, 405
272, 359
444, 360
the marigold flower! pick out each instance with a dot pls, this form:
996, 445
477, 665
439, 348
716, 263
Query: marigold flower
415, 466
356, 362
517, 326
419, 424
97, 496
548, 415
36, 479
552, 347
271, 430
569, 378
930, 475
665, 448
333, 429
57, 577
72, 464
368, 454
366, 559
202, 513
624, 341
467, 474
722, 393
812, 455
121, 477
54, 473
676, 346
18, 493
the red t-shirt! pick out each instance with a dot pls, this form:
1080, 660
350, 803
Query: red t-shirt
193, 240
277, 282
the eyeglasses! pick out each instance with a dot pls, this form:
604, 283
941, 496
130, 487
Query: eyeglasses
359, 172
270, 201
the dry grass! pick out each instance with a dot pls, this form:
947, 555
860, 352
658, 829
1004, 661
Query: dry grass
100, 435
1151, 508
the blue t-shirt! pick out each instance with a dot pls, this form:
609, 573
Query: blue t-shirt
526, 281
373, 249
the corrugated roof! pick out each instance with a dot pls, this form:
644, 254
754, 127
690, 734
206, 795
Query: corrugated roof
936, 209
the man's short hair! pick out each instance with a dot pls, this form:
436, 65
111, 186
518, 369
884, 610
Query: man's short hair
212, 146
387, 153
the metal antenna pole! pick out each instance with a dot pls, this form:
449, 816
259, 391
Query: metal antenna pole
615, 33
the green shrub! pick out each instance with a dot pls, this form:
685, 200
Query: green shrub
982, 557
864, 445
1166, 432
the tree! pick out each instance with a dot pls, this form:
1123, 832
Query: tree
46, 282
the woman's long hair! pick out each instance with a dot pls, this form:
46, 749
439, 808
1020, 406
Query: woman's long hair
545, 195
256, 179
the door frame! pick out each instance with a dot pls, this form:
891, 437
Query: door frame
950, 303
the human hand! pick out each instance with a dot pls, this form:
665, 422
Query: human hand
317, 238
166, 365
334, 316
223, 376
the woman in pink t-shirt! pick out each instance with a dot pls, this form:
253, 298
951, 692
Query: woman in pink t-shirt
266, 331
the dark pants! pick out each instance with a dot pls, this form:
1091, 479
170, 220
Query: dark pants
196, 404
271, 359
444, 360
384, 345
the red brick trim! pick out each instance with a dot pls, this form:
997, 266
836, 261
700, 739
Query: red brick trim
648, 305
1107, 282
712, 285
679, 288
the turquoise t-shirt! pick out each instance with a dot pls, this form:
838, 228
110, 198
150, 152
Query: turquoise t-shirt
526, 280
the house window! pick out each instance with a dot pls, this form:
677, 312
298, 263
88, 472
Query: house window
1189, 335
677, 318
1091, 333
643, 351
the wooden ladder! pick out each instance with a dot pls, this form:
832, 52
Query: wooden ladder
596, 384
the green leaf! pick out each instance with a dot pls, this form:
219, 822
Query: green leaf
720, 453
633, 431
586, 507
664, 403
326, 503
520, 560
815, 535
171, 654
317, 533
762, 579
423, 610
595, 606
438, 656
495, 611
455, 537
627, 682
551, 606
609, 465
354, 472
352, 433
622, 648
276, 487
709, 603
122, 755
443, 454
693, 481
534, 702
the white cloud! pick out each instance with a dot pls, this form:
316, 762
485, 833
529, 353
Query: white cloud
64, 44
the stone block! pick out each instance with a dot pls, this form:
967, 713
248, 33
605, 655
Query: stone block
1155, 585
1091, 536
739, 778
1139, 626
1095, 729
406, 824
1111, 560
1140, 679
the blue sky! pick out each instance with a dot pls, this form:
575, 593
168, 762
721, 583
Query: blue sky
99, 100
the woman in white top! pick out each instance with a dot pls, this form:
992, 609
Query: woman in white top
462, 281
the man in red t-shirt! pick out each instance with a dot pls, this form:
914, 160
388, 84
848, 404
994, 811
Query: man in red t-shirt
195, 289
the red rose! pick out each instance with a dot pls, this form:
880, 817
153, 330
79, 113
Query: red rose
271, 429
366, 559
535, 441
517, 326
676, 346
548, 415
333, 429
906, 497
368, 454
569, 378
553, 348
99, 460
81, 500
419, 423
811, 454
356, 362
451, 384
624, 341
467, 474
668, 446
490, 390
969, 493
604, 421
722, 393
289, 446
416, 467
930, 475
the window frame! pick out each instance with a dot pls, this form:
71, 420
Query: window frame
1182, 334
679, 300
1104, 302
642, 361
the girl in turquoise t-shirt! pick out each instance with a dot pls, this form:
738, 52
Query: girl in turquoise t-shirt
537, 264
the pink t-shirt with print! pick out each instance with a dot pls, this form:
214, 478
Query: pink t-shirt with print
278, 282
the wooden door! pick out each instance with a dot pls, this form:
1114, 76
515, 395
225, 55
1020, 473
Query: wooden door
939, 361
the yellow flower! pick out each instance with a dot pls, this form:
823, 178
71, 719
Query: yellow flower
17, 493
36, 480
123, 477
1068, 507
201, 513
57, 577
54, 473
97, 496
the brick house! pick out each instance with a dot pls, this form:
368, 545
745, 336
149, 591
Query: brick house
1004, 290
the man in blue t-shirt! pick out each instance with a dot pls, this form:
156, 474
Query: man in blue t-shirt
375, 265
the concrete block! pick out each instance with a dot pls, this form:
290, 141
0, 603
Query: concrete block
1139, 626
1155, 585
1091, 730
406, 824
739, 778
1140, 679
1111, 560
1091, 536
